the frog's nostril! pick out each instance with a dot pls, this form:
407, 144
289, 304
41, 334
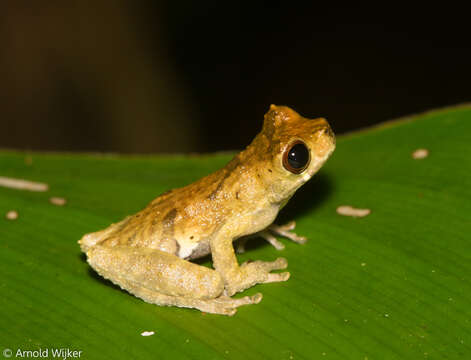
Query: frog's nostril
328, 131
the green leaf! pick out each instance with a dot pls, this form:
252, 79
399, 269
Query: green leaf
395, 284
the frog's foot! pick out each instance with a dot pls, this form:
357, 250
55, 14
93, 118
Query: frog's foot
225, 305
222, 305
256, 272
286, 231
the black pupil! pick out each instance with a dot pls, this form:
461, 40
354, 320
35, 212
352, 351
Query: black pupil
298, 156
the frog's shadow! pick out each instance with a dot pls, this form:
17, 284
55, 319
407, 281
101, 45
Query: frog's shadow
306, 199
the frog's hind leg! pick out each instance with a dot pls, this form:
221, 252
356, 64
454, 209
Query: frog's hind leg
161, 278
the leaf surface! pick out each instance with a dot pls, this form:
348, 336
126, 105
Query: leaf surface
395, 284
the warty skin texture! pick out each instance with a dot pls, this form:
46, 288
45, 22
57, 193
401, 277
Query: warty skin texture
147, 253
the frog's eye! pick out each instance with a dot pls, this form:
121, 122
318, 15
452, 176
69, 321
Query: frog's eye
296, 158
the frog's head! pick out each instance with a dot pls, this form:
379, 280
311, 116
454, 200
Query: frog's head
296, 148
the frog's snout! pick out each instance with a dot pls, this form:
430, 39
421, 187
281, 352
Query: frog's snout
329, 133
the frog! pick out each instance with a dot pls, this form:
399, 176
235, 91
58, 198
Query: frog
152, 254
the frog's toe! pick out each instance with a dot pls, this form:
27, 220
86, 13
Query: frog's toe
256, 298
226, 305
279, 264
267, 266
272, 240
286, 231
220, 310
247, 300
277, 277
229, 312
288, 226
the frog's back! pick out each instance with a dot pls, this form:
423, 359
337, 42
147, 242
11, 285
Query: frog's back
179, 222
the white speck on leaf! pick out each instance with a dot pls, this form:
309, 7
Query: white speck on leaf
12, 215
347, 210
420, 154
21, 184
57, 201
147, 333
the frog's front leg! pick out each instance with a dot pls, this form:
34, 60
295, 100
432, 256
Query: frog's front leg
238, 278
164, 279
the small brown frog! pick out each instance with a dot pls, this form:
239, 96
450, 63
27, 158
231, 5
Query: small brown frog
148, 254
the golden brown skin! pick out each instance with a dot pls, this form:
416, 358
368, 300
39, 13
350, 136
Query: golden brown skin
147, 253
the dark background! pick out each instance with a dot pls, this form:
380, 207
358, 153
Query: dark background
167, 76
